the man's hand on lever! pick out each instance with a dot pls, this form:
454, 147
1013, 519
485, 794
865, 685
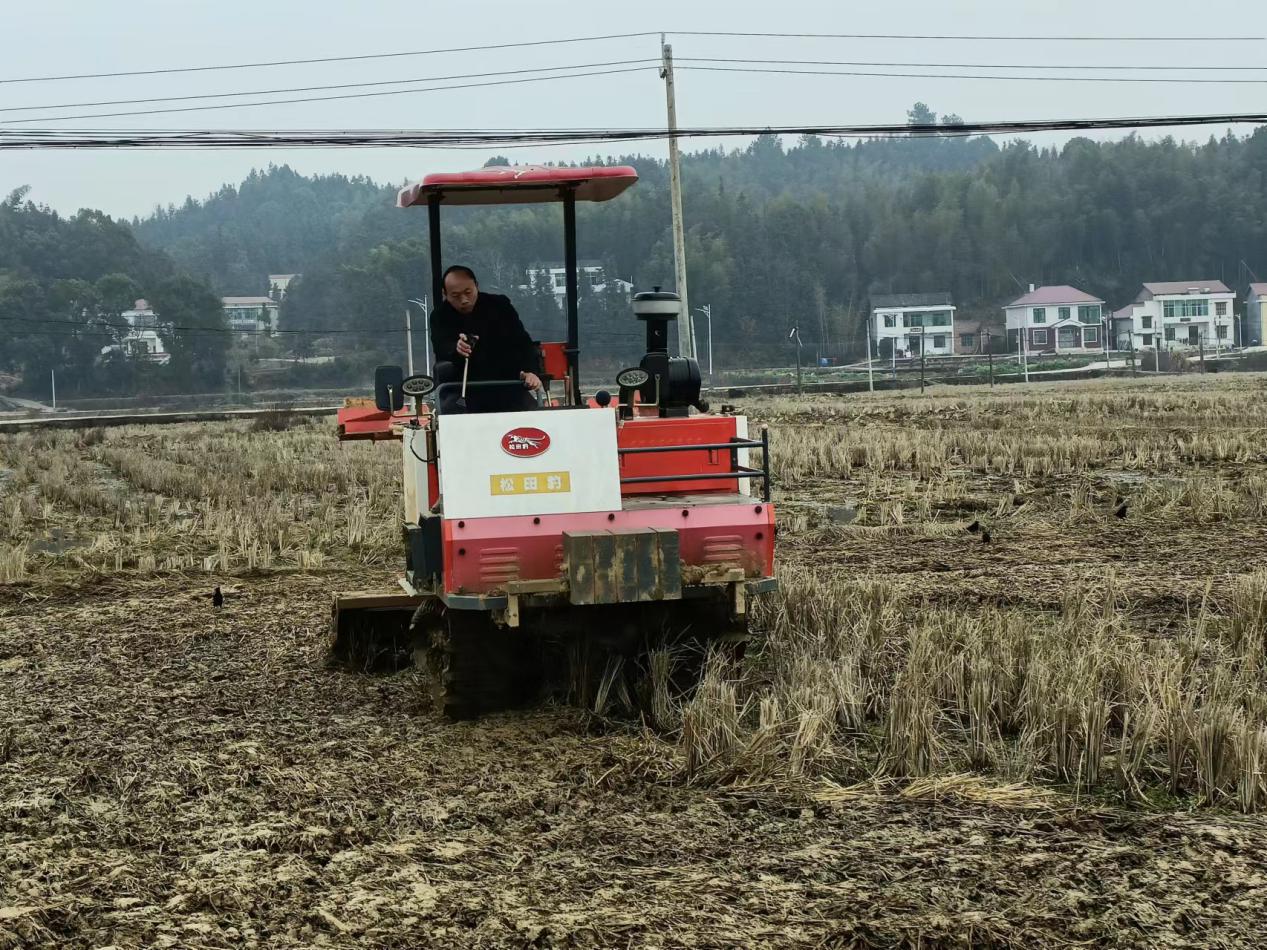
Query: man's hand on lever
532, 382
464, 345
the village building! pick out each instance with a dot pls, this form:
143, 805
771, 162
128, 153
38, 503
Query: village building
1056, 319
910, 324
1178, 314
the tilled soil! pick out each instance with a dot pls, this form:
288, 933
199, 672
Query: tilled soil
175, 775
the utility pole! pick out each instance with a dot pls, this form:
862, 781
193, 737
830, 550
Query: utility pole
1201, 347
1021, 348
53, 377
685, 341
870, 368
923, 350
989, 355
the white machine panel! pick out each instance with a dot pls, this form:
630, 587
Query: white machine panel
414, 444
554, 461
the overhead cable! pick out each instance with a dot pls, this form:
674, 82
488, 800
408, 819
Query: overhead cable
11, 139
1181, 80
980, 37
1089, 67
350, 85
326, 59
351, 95
99, 327
938, 37
647, 61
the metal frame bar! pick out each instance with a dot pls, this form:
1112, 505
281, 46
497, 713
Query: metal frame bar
696, 477
738, 444
433, 229
734, 445
569, 264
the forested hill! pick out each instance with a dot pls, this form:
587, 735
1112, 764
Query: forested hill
65, 283
777, 235
275, 222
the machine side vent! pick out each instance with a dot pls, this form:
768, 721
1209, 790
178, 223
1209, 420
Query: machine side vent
499, 565
723, 549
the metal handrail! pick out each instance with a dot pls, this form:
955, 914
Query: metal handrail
734, 445
737, 444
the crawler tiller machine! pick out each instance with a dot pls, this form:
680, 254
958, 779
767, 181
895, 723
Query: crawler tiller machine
535, 536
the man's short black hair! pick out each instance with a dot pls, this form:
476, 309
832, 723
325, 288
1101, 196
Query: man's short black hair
460, 269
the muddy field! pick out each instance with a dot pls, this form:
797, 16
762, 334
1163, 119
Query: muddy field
174, 775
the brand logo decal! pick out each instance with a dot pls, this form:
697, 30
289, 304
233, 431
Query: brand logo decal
525, 442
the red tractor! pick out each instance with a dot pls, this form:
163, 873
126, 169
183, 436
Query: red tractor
610, 523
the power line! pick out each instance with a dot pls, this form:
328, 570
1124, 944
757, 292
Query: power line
329, 59
1059, 66
98, 327
973, 38
351, 85
353, 95
835, 72
451, 138
633, 35
648, 61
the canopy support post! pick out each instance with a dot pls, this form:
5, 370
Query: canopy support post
433, 242
569, 263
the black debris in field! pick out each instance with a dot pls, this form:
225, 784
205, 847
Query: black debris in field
217, 598
974, 527
985, 537
1120, 510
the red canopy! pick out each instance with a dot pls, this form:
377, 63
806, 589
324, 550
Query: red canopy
519, 184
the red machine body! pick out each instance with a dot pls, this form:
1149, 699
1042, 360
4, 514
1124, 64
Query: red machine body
719, 528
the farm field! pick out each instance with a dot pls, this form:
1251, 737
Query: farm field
1013, 693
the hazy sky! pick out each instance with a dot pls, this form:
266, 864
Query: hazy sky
57, 37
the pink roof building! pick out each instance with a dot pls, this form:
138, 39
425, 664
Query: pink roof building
1055, 319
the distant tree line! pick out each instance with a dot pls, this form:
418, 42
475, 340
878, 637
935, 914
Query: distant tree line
777, 236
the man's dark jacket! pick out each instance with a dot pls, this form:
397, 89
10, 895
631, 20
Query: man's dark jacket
504, 349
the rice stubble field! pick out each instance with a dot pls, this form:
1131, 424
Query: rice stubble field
1013, 693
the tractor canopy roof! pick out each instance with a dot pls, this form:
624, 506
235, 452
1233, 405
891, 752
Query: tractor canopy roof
519, 184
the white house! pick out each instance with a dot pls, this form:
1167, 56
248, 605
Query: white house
588, 273
1255, 316
1177, 314
1058, 319
251, 314
142, 339
906, 323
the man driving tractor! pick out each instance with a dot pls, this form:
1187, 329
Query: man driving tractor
483, 331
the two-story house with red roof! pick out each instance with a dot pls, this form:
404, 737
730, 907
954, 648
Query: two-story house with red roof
1059, 319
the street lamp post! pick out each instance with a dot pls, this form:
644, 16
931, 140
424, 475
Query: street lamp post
426, 332
707, 311
796, 335
989, 355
